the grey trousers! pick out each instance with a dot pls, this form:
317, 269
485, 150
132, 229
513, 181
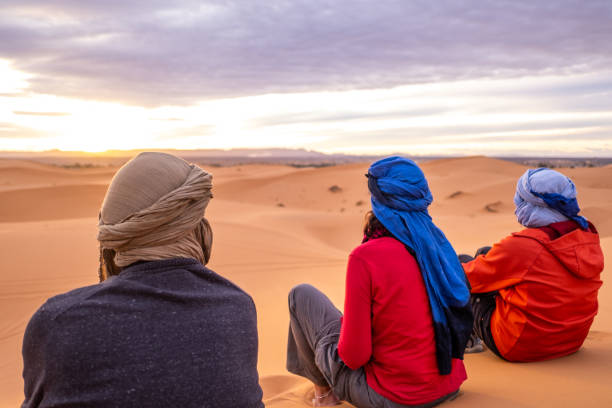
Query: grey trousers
312, 351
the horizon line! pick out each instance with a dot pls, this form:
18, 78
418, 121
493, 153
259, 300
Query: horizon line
115, 152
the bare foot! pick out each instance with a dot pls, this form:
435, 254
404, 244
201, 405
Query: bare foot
324, 397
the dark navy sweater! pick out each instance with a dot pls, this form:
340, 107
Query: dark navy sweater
165, 334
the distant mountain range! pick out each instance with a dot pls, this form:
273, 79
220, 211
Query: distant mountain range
294, 157
221, 157
244, 152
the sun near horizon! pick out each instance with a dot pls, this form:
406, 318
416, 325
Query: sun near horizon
461, 117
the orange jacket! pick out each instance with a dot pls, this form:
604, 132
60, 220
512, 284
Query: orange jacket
547, 291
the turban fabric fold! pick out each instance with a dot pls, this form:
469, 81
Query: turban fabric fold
544, 196
153, 210
400, 198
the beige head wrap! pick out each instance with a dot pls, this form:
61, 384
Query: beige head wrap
154, 209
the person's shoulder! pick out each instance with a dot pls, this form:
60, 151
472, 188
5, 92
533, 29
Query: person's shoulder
525, 245
533, 239
378, 246
58, 304
228, 285
526, 237
55, 306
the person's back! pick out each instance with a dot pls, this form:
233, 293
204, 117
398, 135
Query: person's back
159, 330
402, 365
168, 333
535, 292
548, 286
407, 316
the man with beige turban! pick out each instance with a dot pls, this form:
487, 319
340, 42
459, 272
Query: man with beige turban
160, 329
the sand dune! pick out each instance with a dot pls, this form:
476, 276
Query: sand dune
51, 203
16, 174
277, 226
329, 189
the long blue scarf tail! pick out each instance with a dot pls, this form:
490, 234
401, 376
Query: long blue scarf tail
400, 197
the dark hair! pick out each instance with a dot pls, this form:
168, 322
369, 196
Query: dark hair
373, 228
107, 266
372, 224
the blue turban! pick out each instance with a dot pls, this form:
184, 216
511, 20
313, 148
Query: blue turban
400, 197
544, 196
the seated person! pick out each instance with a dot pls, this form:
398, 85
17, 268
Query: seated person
534, 294
160, 329
407, 316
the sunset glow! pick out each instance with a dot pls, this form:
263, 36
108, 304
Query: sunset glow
494, 105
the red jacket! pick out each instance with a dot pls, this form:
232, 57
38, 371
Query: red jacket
387, 326
548, 280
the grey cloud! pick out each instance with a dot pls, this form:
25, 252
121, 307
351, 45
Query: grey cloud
343, 116
556, 140
574, 92
154, 52
480, 133
585, 142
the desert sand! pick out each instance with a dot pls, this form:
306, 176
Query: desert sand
277, 226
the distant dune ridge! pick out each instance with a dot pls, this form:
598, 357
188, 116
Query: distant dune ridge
48, 217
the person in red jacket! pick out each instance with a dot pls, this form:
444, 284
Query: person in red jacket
535, 292
388, 349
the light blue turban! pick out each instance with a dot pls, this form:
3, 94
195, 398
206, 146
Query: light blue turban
544, 196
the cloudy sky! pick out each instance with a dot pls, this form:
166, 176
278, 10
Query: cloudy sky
420, 77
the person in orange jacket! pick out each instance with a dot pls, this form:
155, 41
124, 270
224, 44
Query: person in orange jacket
534, 293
